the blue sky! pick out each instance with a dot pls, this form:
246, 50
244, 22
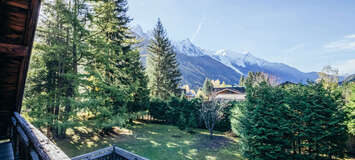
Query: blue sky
306, 34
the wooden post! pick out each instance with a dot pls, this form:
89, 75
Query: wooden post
113, 152
15, 137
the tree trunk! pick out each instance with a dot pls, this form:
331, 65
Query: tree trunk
299, 145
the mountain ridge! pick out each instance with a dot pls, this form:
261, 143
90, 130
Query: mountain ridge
226, 65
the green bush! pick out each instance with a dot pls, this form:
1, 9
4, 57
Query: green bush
181, 122
158, 108
185, 113
176, 111
290, 122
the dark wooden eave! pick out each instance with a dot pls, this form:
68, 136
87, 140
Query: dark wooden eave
12, 50
18, 19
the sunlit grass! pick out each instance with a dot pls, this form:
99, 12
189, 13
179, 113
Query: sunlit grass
154, 141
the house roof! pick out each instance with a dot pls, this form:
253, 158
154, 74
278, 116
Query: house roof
18, 19
232, 89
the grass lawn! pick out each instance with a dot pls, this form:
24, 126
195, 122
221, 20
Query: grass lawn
156, 142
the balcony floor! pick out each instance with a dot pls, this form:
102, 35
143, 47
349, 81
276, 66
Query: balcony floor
6, 151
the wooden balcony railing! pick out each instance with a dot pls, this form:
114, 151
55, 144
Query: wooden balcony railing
110, 153
30, 143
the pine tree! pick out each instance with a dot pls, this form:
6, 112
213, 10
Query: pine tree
164, 74
54, 79
261, 123
242, 81
349, 90
138, 83
117, 84
290, 122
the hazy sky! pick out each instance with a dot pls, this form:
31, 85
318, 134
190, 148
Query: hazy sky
306, 34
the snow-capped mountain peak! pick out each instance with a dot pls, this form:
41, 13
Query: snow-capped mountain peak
249, 58
186, 42
229, 56
188, 48
227, 65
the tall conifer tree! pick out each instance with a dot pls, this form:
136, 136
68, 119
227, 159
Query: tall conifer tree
163, 68
117, 84
53, 79
290, 122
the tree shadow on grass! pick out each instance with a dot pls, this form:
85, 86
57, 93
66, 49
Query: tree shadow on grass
158, 142
165, 142
216, 142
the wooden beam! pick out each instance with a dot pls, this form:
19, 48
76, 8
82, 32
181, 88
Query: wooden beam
13, 50
31, 21
101, 153
20, 4
31, 24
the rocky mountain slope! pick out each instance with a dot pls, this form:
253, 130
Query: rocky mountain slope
196, 63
